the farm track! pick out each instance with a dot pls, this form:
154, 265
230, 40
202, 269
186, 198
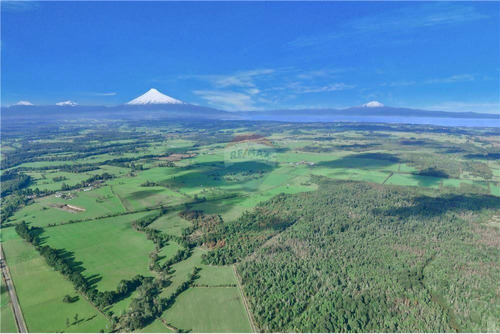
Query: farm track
245, 302
18, 314
95, 307
172, 328
119, 198
387, 178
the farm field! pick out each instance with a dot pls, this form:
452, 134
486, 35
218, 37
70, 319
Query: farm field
108, 249
210, 310
95, 203
43, 309
7, 321
156, 220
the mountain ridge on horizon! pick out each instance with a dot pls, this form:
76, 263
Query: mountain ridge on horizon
154, 104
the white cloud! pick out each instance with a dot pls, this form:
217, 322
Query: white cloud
402, 83
456, 106
395, 22
18, 6
453, 79
300, 89
227, 100
238, 79
98, 93
106, 94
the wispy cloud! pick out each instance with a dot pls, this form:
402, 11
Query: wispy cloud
106, 94
253, 89
446, 80
18, 6
228, 100
395, 22
321, 73
452, 79
98, 93
238, 79
402, 83
457, 106
300, 89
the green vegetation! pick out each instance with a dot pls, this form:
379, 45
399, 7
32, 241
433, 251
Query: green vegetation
7, 322
362, 257
144, 226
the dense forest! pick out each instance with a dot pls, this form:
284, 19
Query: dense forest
364, 257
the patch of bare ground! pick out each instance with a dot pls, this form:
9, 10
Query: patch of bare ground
68, 207
177, 157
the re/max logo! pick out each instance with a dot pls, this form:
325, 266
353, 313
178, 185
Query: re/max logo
258, 153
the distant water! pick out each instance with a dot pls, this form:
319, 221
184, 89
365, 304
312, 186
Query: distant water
460, 122
468, 122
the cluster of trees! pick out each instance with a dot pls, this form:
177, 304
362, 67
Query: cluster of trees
207, 224
94, 178
235, 240
431, 171
149, 305
13, 181
368, 258
161, 239
80, 148
10, 204
148, 183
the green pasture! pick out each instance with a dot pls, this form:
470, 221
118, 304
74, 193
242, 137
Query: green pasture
414, 180
155, 327
40, 291
7, 322
209, 310
108, 250
170, 223
181, 270
168, 251
495, 189
97, 203
230, 209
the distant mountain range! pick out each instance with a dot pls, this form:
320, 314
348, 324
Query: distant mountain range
155, 105
372, 109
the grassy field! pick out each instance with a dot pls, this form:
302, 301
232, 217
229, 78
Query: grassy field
41, 290
171, 223
156, 327
206, 309
209, 310
109, 249
7, 321
97, 203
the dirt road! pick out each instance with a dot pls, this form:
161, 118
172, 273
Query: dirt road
18, 314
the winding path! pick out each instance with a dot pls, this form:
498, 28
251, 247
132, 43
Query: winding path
18, 314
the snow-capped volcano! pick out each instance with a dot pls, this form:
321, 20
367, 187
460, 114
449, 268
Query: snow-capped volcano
373, 104
153, 96
23, 103
67, 104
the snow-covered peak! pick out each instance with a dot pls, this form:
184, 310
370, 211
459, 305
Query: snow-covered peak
153, 96
373, 104
23, 103
67, 104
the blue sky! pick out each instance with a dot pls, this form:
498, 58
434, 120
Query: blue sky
254, 55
